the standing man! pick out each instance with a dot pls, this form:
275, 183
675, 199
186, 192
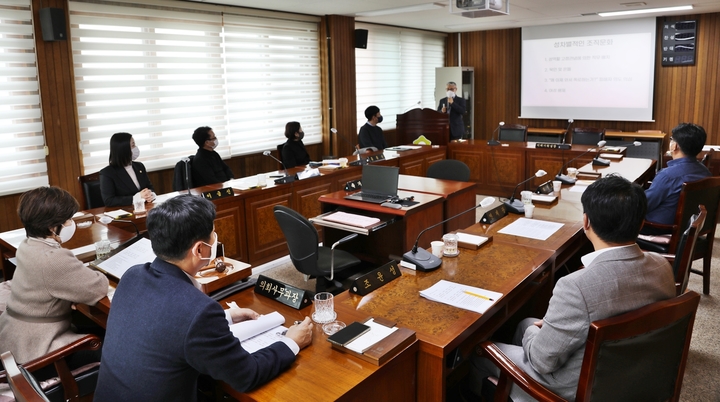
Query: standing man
454, 106
207, 166
163, 332
618, 277
370, 134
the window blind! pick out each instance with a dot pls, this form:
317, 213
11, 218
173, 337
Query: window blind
22, 145
396, 71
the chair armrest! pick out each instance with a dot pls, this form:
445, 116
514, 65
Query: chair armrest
332, 252
518, 376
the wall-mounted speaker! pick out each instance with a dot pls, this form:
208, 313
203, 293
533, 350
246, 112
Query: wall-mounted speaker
52, 24
361, 36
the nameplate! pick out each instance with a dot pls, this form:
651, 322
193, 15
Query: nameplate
374, 158
545, 188
217, 194
283, 293
358, 162
353, 185
494, 214
376, 278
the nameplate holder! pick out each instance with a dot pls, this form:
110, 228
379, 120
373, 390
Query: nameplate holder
546, 145
217, 194
375, 158
545, 188
353, 185
376, 278
285, 180
358, 162
283, 293
494, 214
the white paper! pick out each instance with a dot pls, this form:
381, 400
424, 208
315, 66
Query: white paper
257, 334
577, 189
139, 252
531, 228
118, 213
14, 237
543, 197
345, 218
471, 239
462, 296
377, 333
84, 249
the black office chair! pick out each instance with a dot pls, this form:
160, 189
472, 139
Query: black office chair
449, 169
587, 135
91, 190
513, 132
309, 258
182, 175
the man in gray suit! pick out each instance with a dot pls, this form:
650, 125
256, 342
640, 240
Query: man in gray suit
618, 277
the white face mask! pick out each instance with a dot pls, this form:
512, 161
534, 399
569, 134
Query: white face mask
450, 94
67, 232
135, 153
213, 250
216, 142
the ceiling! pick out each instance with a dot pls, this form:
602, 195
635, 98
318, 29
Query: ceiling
522, 12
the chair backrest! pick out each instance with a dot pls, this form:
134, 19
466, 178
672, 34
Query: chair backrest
449, 169
685, 248
91, 190
182, 175
302, 239
513, 132
707, 158
23, 384
693, 194
587, 135
639, 355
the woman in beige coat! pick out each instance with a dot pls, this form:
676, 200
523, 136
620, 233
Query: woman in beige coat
48, 279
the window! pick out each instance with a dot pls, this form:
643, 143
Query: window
396, 71
160, 70
22, 149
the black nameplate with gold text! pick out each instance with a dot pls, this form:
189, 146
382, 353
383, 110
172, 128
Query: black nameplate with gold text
217, 194
545, 188
376, 278
546, 145
374, 158
283, 293
353, 185
494, 214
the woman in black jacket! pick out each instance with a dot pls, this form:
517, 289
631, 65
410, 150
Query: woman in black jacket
293, 151
124, 178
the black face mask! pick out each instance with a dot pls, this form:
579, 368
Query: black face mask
301, 135
380, 119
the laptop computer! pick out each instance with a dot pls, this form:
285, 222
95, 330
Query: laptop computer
379, 184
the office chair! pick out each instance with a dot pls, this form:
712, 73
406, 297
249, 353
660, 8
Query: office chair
512, 132
182, 175
682, 260
636, 356
307, 257
449, 169
91, 190
587, 135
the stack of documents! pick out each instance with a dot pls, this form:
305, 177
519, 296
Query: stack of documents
531, 228
257, 334
345, 218
462, 296
377, 333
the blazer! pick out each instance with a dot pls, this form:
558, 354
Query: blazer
116, 186
457, 110
162, 333
48, 280
209, 168
617, 281
294, 154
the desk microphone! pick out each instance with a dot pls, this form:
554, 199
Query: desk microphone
425, 261
563, 145
413, 106
567, 179
598, 161
493, 141
282, 180
516, 206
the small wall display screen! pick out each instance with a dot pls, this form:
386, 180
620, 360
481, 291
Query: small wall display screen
678, 43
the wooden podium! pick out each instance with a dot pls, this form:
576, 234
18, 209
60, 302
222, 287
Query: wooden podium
435, 126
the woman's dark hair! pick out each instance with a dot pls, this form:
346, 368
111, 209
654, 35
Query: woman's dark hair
176, 224
290, 129
120, 151
615, 208
200, 135
46, 208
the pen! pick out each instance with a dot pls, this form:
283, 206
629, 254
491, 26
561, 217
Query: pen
477, 295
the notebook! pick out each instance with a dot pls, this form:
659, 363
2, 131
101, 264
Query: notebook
379, 184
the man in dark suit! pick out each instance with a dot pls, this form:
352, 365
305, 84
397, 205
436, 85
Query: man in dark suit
454, 106
207, 165
163, 332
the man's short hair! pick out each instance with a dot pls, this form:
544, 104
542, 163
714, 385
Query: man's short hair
690, 138
615, 208
451, 83
201, 135
176, 224
371, 111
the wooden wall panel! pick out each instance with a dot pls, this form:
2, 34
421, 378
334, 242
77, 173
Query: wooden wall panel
342, 92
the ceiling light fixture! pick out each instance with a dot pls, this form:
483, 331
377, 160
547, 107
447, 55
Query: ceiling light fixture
645, 11
399, 10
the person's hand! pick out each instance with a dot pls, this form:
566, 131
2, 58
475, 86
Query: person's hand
450, 100
301, 333
243, 314
146, 194
444, 109
538, 323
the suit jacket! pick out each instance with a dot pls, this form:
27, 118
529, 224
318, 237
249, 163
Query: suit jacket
209, 168
47, 281
116, 186
371, 136
294, 154
162, 333
617, 281
457, 110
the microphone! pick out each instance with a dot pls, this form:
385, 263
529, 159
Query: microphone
563, 145
598, 161
137, 231
355, 147
413, 106
425, 261
493, 141
567, 179
282, 180
517, 206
